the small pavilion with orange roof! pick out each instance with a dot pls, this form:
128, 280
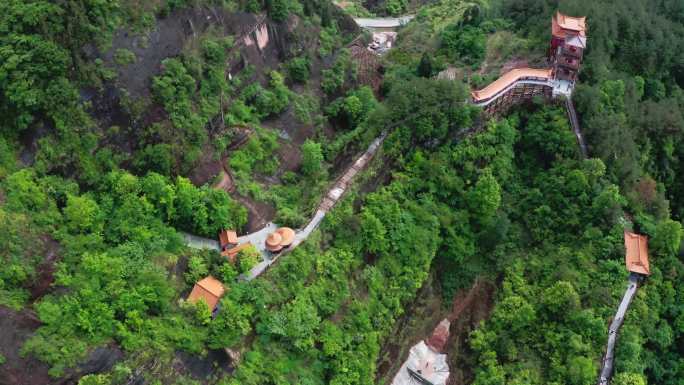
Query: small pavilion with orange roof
280, 239
636, 253
227, 239
208, 289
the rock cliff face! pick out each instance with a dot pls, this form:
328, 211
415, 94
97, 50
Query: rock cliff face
170, 35
440, 336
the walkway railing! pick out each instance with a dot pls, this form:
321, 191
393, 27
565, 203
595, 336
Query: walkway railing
508, 81
607, 363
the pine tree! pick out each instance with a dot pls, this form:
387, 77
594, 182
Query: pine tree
425, 66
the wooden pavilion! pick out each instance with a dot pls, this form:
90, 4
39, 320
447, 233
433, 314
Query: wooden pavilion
636, 253
280, 239
208, 289
227, 239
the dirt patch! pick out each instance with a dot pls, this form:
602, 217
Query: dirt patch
469, 309
208, 167
15, 329
258, 213
225, 182
202, 367
292, 134
513, 64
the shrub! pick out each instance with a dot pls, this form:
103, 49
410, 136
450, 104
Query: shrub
247, 259
466, 43
124, 57
312, 157
197, 269
298, 69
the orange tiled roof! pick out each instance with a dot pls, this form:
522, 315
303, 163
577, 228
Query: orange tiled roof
561, 24
227, 237
287, 235
210, 289
636, 255
273, 242
507, 79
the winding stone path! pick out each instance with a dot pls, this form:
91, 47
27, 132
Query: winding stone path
607, 363
197, 242
258, 238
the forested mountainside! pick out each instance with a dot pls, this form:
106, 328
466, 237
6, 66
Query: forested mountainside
126, 125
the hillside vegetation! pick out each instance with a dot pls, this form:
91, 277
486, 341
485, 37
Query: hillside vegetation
113, 142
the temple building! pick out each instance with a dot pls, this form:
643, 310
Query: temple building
426, 363
568, 41
636, 253
227, 239
210, 290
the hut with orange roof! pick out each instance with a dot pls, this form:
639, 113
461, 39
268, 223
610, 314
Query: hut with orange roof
227, 239
280, 239
287, 236
210, 290
636, 253
273, 242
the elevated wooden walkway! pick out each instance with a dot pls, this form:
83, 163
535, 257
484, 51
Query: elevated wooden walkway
618, 319
512, 87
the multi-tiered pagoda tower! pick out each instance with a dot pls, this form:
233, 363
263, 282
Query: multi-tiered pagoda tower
568, 41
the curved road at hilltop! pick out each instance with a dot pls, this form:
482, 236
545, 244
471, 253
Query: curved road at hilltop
383, 22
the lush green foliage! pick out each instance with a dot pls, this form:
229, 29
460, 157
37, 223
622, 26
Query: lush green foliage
299, 69
465, 43
510, 202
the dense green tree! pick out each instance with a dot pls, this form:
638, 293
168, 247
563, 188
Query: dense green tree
425, 66
299, 69
485, 197
83, 215
628, 379
667, 237
312, 158
465, 43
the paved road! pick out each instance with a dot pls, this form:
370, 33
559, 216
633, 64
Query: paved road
383, 22
607, 364
199, 242
258, 238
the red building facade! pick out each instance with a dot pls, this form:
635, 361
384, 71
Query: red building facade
568, 41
